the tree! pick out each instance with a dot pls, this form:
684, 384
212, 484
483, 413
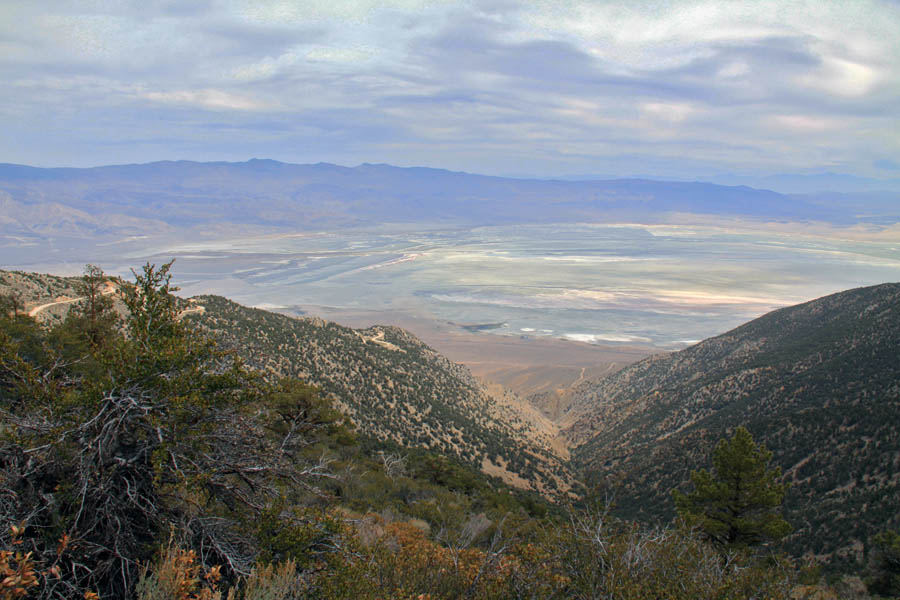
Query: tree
886, 564
90, 327
167, 434
11, 303
736, 505
153, 322
95, 313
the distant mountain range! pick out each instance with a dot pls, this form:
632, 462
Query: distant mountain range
812, 183
164, 196
783, 183
817, 383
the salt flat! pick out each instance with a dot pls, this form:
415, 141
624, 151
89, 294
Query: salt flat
611, 286
660, 286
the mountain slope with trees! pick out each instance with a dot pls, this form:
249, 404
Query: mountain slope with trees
397, 389
392, 385
818, 384
138, 460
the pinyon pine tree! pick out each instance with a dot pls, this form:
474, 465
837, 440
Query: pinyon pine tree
886, 564
738, 503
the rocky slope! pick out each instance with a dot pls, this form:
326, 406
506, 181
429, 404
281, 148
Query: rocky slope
817, 383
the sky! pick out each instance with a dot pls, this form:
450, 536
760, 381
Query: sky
543, 88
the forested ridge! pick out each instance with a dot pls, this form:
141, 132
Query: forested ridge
818, 383
395, 388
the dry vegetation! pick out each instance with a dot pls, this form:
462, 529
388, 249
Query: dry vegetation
139, 460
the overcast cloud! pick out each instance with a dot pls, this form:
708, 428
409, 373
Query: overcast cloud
543, 88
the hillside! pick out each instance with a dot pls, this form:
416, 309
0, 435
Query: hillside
393, 386
396, 388
139, 461
817, 383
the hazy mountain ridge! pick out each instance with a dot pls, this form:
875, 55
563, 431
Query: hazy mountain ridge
818, 383
184, 194
783, 183
876, 207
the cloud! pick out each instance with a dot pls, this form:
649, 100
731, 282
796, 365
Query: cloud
842, 77
482, 85
668, 111
804, 123
206, 98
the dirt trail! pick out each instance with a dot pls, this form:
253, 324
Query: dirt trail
33, 312
111, 289
192, 310
378, 338
580, 378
